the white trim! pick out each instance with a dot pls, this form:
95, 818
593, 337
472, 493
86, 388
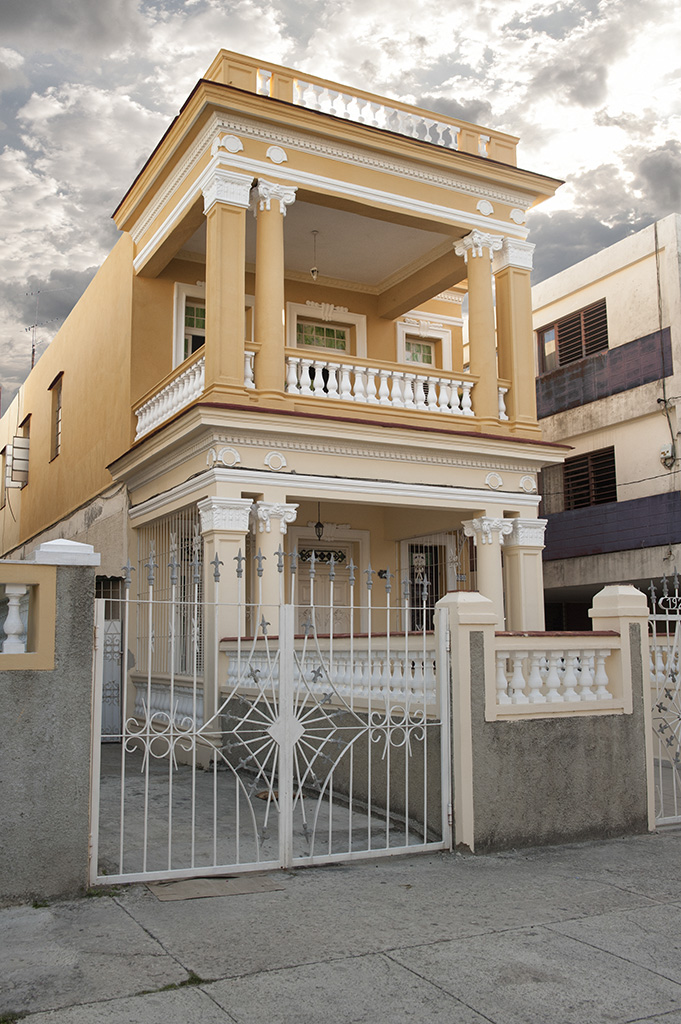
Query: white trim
432, 333
339, 316
182, 293
321, 486
394, 201
344, 153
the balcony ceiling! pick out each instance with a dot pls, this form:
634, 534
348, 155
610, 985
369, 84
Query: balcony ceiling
350, 247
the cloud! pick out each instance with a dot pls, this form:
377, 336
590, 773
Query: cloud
80, 25
566, 237
659, 176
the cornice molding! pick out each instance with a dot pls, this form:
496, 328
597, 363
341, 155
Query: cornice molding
208, 139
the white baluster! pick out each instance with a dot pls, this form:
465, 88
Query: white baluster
345, 386
444, 395
570, 676
586, 676
383, 389
292, 366
455, 400
409, 381
466, 403
502, 403
14, 627
305, 376
420, 396
553, 695
360, 386
430, 389
397, 394
518, 679
534, 682
502, 682
249, 380
601, 676
332, 382
371, 386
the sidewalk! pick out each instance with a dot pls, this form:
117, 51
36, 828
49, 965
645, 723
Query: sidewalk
576, 934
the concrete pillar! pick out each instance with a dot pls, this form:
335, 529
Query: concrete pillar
477, 250
226, 199
271, 200
524, 576
488, 534
512, 267
472, 668
272, 520
224, 525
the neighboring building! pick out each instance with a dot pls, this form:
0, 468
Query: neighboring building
609, 347
277, 340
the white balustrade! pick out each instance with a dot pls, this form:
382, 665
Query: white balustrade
503, 415
379, 677
14, 626
249, 379
159, 710
399, 389
552, 677
379, 115
187, 386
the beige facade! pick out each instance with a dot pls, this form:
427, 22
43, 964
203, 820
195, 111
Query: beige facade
618, 408
297, 325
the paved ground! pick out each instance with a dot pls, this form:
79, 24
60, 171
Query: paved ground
588, 933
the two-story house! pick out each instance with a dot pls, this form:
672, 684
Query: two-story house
295, 342
609, 341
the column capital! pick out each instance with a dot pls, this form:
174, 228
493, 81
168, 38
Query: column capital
526, 533
265, 191
482, 529
514, 252
266, 511
473, 244
222, 186
228, 514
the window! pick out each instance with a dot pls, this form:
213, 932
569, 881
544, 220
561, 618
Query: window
419, 352
323, 325
17, 458
321, 335
55, 421
194, 326
573, 337
590, 479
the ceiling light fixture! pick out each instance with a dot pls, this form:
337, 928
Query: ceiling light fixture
319, 525
314, 272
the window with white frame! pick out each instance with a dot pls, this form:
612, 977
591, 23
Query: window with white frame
189, 321
325, 326
423, 341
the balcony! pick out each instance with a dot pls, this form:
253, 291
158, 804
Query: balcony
361, 381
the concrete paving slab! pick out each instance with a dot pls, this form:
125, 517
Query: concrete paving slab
649, 937
76, 952
533, 975
367, 907
350, 991
180, 1006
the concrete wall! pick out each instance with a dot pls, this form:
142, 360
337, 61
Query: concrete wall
45, 756
550, 781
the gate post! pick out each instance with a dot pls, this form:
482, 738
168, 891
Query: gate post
283, 731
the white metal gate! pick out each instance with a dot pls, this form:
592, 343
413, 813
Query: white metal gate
664, 628
251, 738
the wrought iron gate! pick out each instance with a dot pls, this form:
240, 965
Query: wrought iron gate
253, 739
665, 629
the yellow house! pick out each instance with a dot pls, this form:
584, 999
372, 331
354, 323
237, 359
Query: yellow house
296, 342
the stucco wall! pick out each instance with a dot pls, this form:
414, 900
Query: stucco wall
45, 757
557, 780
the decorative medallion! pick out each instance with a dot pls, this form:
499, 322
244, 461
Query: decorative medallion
229, 142
225, 456
277, 155
485, 207
494, 481
528, 484
275, 461
517, 216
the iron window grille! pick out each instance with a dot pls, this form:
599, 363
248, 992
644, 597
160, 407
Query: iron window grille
573, 337
590, 479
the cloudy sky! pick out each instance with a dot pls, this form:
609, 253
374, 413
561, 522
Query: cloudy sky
87, 87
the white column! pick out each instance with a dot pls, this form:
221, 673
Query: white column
488, 534
524, 576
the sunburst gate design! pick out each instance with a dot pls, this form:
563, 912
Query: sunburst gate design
323, 735
665, 666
